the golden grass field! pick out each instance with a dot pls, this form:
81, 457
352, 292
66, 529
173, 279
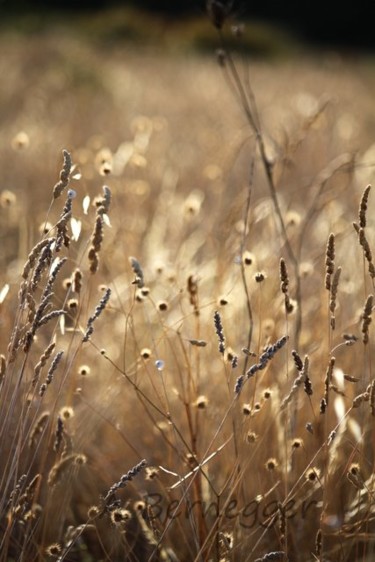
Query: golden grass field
187, 354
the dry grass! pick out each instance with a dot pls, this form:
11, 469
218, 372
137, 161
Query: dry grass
186, 368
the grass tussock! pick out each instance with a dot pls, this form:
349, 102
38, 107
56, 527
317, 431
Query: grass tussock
186, 316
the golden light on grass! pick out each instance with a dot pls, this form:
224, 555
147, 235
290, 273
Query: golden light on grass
137, 322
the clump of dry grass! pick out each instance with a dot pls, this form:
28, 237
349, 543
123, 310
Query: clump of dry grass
242, 378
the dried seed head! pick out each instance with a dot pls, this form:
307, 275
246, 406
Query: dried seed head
151, 472
137, 269
162, 306
80, 460
284, 278
312, 474
72, 305
223, 301
330, 260
246, 409
84, 370
93, 512
7, 199
366, 318
229, 355
219, 331
292, 219
354, 469
201, 402
251, 437
267, 393
260, 276
297, 443
120, 516
271, 464
67, 283
66, 413
145, 353
140, 505
20, 141
363, 207
45, 228
53, 550
77, 280
248, 258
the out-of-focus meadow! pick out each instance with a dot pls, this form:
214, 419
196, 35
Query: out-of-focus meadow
187, 241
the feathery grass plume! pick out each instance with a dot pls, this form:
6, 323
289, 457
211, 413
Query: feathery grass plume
40, 319
98, 310
366, 318
42, 362
307, 382
330, 260
364, 397
51, 372
103, 205
64, 175
327, 380
58, 434
96, 244
284, 286
303, 377
136, 267
363, 207
192, 287
23, 502
366, 251
297, 360
104, 202
62, 234
31, 305
77, 280
44, 261
15, 493
38, 428
53, 275
20, 505
125, 478
265, 357
50, 316
219, 331
333, 296
63, 468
